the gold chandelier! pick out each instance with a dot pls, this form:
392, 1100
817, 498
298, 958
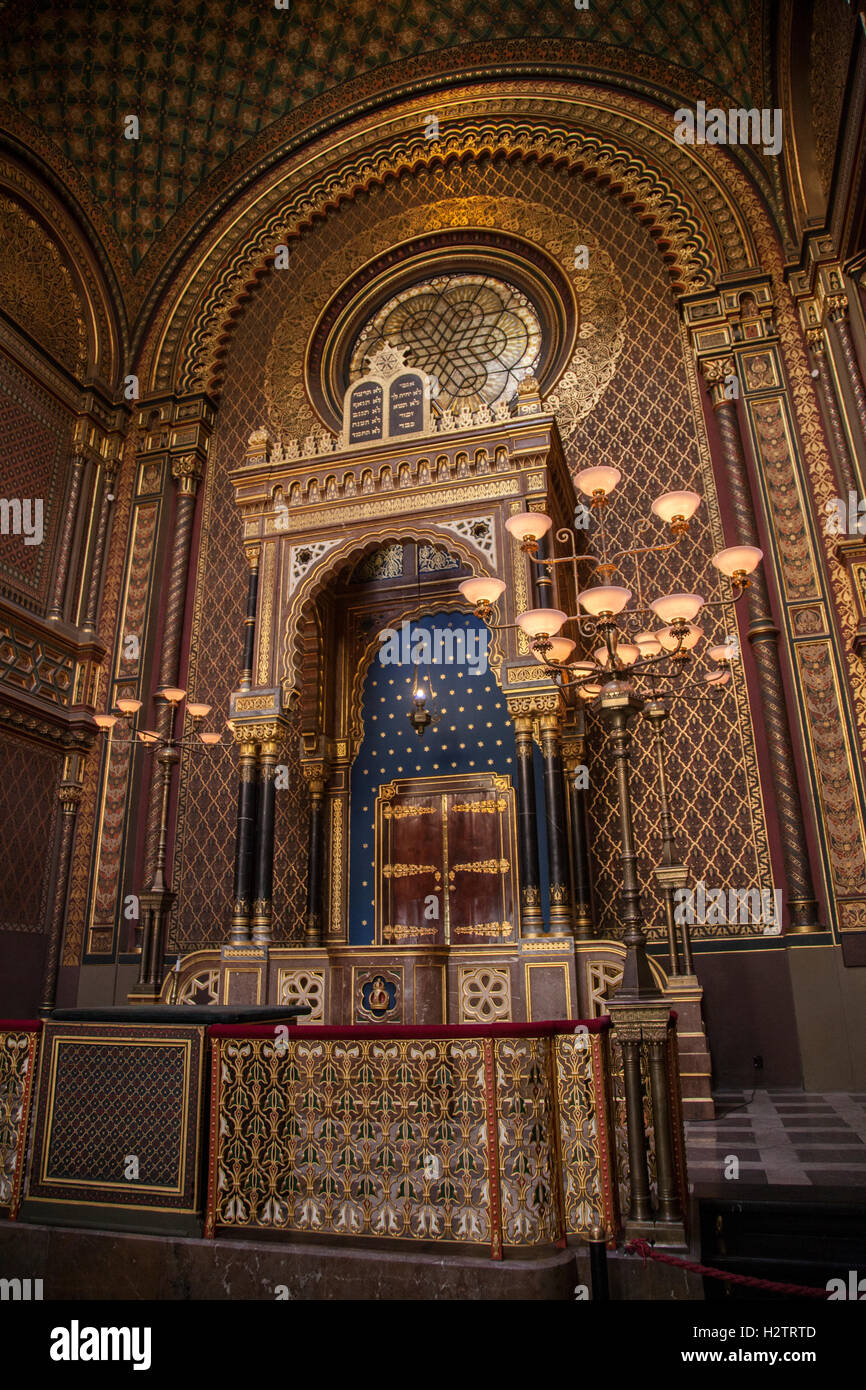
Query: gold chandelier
628, 648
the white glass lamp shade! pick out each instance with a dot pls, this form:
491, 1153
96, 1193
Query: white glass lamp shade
669, 638
209, 738
582, 669
528, 525
172, 693
128, 706
604, 598
541, 622
148, 736
672, 504
675, 607
482, 590
589, 691
600, 479
717, 677
560, 650
627, 654
648, 643
721, 653
105, 721
198, 711
745, 558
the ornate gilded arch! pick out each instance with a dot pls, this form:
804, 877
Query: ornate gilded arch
350, 553
80, 276
683, 194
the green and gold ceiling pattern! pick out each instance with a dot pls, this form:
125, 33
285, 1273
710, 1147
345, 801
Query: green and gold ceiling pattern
207, 81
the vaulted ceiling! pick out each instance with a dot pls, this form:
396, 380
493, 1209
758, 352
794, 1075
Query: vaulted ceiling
217, 85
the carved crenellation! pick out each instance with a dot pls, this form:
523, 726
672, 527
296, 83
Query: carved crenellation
263, 448
354, 478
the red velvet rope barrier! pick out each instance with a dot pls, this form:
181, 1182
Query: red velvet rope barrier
643, 1247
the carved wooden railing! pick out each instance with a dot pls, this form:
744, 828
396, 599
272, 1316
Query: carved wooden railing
19, 1044
498, 1136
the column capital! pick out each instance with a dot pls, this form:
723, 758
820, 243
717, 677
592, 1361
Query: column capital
316, 773
717, 371
533, 706
837, 307
187, 471
815, 341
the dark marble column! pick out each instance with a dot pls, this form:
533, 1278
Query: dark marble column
91, 612
67, 534
531, 918
640, 1208
316, 776
559, 885
666, 1185
764, 639
70, 799
263, 887
574, 754
187, 472
617, 706
242, 910
253, 553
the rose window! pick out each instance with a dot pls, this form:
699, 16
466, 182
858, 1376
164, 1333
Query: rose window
477, 336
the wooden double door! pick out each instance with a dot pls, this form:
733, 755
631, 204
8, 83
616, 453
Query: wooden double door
445, 861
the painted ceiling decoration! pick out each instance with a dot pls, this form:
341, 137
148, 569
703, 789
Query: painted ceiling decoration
211, 85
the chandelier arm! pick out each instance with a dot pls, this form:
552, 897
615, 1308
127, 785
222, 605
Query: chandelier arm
643, 662
725, 602
644, 550
700, 690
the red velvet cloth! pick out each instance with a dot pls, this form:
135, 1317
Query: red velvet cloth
20, 1025
385, 1032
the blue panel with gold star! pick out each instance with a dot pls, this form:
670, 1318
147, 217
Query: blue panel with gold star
472, 734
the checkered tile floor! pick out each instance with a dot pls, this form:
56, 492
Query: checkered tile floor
782, 1138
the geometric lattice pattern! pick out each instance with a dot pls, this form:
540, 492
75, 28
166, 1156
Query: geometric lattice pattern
204, 857
203, 988
445, 1139
113, 1101
644, 422
475, 335
29, 777
208, 80
35, 429
107, 1098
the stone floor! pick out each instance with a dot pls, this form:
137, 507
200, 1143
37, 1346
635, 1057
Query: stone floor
783, 1138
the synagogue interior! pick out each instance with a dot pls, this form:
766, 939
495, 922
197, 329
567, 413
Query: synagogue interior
432, 642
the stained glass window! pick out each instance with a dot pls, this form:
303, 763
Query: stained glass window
477, 336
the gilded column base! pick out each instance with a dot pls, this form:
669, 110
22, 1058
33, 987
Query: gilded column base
803, 918
261, 922
313, 929
241, 918
561, 919
531, 919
